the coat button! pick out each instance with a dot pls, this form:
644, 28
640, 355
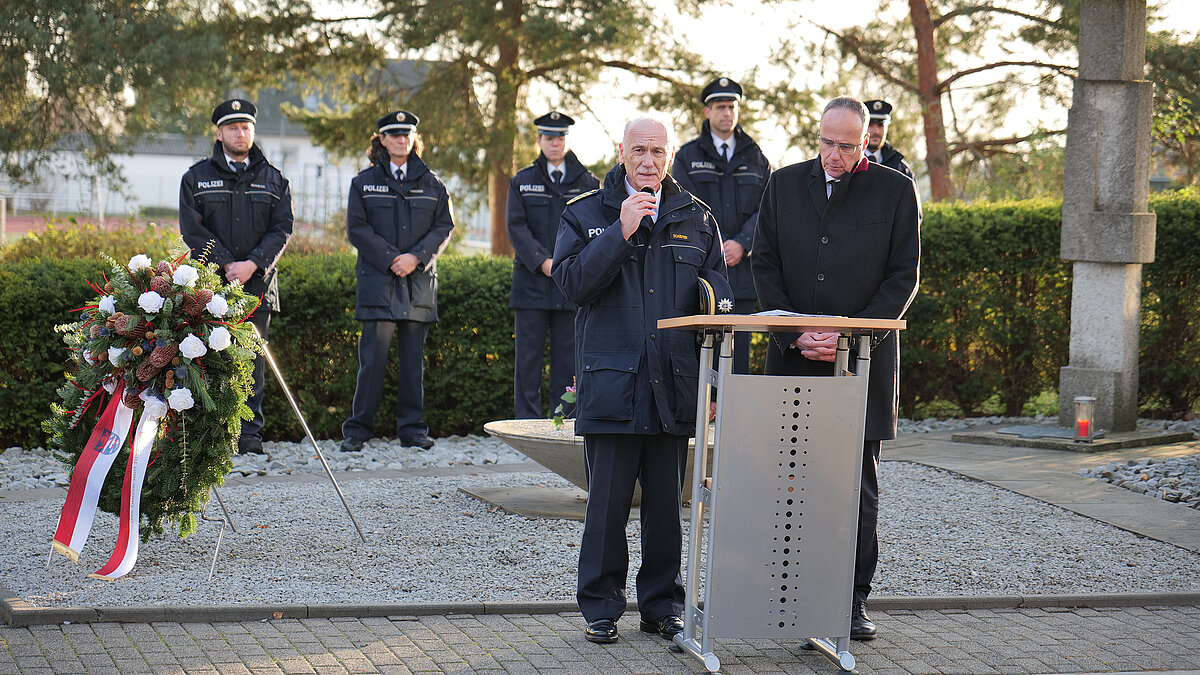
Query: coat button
820, 277
651, 291
824, 240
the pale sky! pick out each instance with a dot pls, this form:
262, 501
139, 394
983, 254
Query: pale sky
592, 139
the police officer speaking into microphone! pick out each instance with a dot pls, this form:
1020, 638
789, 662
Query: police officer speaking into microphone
536, 197
238, 208
725, 168
398, 217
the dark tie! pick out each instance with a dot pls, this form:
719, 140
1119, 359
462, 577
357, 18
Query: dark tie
239, 167
399, 175
829, 186
556, 175
725, 151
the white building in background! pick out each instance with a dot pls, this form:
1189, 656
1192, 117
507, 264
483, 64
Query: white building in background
155, 164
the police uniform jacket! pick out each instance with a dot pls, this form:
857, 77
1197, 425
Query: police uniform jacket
731, 189
535, 204
246, 216
385, 218
891, 158
633, 377
855, 254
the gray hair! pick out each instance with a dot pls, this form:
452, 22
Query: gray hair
662, 121
848, 103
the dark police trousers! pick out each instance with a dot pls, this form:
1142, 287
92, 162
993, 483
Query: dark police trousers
868, 515
614, 463
530, 328
373, 349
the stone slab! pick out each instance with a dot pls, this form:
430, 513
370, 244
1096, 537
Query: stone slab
535, 501
1112, 440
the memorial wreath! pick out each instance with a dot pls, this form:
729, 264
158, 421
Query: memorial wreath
169, 342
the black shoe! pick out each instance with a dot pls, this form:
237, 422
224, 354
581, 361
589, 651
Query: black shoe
667, 627
861, 625
603, 631
250, 444
422, 441
351, 444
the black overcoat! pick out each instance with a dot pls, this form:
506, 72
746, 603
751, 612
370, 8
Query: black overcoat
855, 254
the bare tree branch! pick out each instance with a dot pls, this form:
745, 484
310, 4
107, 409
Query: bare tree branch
974, 9
1069, 71
993, 146
877, 65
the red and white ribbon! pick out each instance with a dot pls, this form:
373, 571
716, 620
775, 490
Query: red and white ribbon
91, 468
125, 553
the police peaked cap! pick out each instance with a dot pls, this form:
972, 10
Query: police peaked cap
234, 110
879, 110
721, 89
716, 295
553, 123
398, 122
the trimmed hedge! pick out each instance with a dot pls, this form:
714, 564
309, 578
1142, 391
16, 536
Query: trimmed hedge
992, 319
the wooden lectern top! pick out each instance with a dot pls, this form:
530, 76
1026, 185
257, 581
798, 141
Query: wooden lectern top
773, 322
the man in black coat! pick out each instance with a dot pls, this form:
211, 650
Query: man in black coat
840, 235
725, 168
398, 217
536, 197
630, 254
878, 149
235, 210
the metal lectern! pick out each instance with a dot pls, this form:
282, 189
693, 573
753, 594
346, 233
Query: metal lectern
774, 519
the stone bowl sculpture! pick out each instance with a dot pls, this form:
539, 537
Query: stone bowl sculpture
561, 451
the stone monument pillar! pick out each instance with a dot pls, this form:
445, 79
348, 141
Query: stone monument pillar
1106, 229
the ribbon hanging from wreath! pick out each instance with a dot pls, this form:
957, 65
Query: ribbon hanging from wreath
168, 341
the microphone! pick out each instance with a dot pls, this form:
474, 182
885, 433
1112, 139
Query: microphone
647, 221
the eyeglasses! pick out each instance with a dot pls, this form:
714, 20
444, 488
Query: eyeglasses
844, 148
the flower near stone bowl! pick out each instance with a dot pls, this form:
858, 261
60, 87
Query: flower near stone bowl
568, 397
186, 275
151, 301
181, 399
192, 347
220, 338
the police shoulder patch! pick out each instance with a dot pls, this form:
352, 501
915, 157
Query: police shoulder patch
586, 194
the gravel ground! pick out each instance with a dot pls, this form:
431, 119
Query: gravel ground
940, 535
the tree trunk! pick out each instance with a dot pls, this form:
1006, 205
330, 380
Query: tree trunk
503, 135
937, 157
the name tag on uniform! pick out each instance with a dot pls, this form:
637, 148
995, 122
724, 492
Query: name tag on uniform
531, 188
416, 191
375, 188
703, 165
256, 185
208, 184
677, 235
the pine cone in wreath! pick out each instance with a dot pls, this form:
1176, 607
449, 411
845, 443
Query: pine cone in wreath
163, 269
132, 399
94, 331
147, 370
192, 306
130, 327
163, 354
161, 285
204, 295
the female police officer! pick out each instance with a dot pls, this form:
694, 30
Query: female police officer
398, 218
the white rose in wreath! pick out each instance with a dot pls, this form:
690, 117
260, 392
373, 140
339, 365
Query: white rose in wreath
139, 262
153, 406
108, 304
186, 276
217, 306
220, 338
151, 302
192, 347
114, 355
181, 399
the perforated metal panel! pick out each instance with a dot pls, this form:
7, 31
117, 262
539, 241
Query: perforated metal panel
785, 508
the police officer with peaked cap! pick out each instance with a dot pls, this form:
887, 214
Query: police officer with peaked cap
878, 149
398, 217
536, 197
725, 168
238, 207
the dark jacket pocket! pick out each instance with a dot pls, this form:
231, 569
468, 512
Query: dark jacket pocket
606, 386
687, 261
